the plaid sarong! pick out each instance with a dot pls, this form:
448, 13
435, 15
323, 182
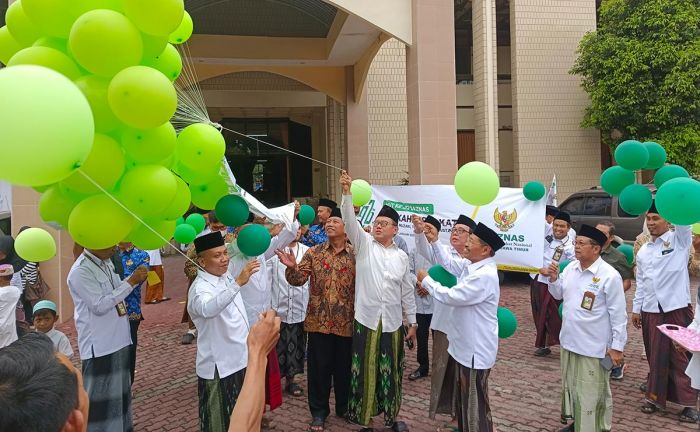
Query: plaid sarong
586, 397
108, 385
217, 397
473, 407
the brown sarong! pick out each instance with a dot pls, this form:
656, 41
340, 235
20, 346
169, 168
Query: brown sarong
443, 381
473, 408
545, 313
155, 292
667, 380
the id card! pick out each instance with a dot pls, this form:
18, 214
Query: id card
588, 300
557, 254
121, 309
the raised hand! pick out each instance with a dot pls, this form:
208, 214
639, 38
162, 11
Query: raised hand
139, 275
345, 182
418, 224
286, 258
249, 270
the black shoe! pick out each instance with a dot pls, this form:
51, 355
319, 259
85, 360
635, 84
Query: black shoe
541, 352
569, 428
399, 426
416, 374
187, 339
643, 387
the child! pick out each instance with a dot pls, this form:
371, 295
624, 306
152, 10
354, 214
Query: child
45, 318
9, 296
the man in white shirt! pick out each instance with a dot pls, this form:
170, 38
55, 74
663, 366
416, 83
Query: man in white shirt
474, 302
9, 296
663, 297
383, 292
216, 307
558, 246
104, 336
593, 334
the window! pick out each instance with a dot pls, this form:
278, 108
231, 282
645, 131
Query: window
622, 213
573, 206
598, 205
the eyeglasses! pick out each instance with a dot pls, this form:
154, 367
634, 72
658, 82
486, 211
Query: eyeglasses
460, 231
383, 223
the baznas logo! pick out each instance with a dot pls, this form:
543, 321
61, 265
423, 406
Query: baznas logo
504, 220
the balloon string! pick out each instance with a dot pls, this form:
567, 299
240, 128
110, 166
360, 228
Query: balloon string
476, 210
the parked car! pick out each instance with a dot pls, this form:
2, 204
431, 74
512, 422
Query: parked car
590, 206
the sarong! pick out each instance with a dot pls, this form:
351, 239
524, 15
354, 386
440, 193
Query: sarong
667, 380
108, 385
273, 381
291, 348
155, 292
376, 373
217, 397
443, 381
545, 313
473, 408
585, 397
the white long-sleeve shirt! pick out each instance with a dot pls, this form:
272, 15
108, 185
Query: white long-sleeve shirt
383, 287
662, 272
417, 262
693, 369
288, 301
550, 247
591, 332
218, 312
9, 296
96, 290
474, 302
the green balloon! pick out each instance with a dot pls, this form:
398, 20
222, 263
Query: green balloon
148, 190
361, 192
95, 90
678, 201
533, 190
507, 322
477, 183
184, 233
153, 235
42, 189
153, 45
105, 165
142, 97
87, 5
232, 210
615, 179
71, 193
104, 42
155, 17
149, 145
47, 57
53, 17
36, 155
52, 42
180, 221
55, 206
8, 46
35, 245
628, 251
561, 310
306, 214
180, 203
196, 177
253, 240
200, 147
631, 155
206, 196
197, 221
168, 62
667, 173
635, 199
657, 155
22, 29
183, 32
563, 264
98, 222
442, 276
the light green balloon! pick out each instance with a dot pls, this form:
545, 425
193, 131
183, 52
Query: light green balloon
98, 222
155, 17
72, 193
33, 154
87, 5
181, 203
105, 165
200, 147
148, 190
155, 234
20, 26
95, 90
168, 62
55, 206
477, 183
361, 192
183, 32
105, 42
47, 57
52, 42
196, 177
153, 45
53, 17
206, 196
142, 97
149, 145
35, 245
8, 46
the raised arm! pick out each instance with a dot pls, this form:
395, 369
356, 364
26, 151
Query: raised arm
282, 239
84, 286
468, 291
297, 274
357, 236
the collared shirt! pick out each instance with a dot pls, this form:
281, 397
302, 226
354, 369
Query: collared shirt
383, 284
218, 312
288, 301
60, 342
9, 296
316, 235
257, 293
417, 262
662, 272
589, 331
331, 278
551, 245
97, 289
618, 261
474, 302
131, 260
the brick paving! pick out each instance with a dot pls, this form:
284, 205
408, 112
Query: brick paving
524, 390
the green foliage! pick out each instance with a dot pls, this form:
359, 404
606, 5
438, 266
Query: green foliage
641, 69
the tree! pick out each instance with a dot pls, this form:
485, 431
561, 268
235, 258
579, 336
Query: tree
641, 68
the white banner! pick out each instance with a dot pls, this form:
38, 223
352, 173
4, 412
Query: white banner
518, 221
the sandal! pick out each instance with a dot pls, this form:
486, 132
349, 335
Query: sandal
294, 390
689, 415
164, 299
317, 425
399, 426
649, 408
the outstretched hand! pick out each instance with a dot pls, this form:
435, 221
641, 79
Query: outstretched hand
345, 182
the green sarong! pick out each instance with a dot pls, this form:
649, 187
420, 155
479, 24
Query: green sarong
586, 397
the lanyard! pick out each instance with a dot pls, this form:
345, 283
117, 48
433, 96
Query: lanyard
111, 281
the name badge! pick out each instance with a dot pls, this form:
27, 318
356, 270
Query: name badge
121, 309
666, 252
588, 300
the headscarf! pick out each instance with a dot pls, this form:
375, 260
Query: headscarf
7, 246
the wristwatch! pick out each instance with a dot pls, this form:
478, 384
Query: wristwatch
413, 325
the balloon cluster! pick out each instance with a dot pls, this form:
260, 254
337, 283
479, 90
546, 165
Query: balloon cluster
675, 187
186, 230
99, 75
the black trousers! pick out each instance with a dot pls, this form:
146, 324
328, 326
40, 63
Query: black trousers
134, 325
422, 337
329, 360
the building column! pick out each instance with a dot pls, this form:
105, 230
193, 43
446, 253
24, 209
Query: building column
485, 82
356, 122
431, 95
